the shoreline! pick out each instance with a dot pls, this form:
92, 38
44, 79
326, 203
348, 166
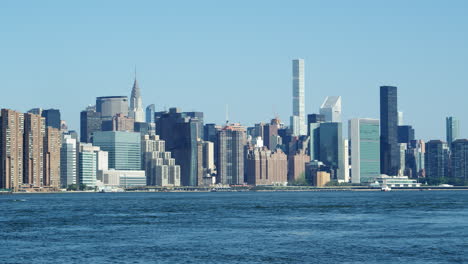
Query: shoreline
261, 189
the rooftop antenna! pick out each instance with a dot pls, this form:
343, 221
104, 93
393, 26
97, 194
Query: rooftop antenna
227, 114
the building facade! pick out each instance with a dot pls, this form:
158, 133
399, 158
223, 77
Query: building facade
437, 159
265, 167
389, 149
11, 149
124, 149
365, 149
298, 93
452, 126
331, 109
459, 159
230, 162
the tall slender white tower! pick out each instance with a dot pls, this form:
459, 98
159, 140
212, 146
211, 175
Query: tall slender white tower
136, 104
298, 118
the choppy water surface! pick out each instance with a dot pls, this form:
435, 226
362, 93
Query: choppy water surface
250, 227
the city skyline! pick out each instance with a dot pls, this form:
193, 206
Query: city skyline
373, 54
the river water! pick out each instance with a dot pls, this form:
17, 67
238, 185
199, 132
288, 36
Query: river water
235, 227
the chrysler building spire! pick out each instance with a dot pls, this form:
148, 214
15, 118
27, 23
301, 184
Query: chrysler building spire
136, 103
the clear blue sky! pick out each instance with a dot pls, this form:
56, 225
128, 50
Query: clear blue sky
202, 55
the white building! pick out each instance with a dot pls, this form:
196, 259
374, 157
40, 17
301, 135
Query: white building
331, 109
122, 178
395, 181
68, 161
298, 119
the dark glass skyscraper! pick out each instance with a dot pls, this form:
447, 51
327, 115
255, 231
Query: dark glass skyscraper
52, 117
405, 134
389, 149
180, 131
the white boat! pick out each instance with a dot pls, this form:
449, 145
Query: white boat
386, 188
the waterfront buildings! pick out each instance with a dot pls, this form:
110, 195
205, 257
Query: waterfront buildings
124, 148
415, 153
316, 173
459, 159
365, 149
394, 181
122, 178
265, 167
452, 126
331, 109
437, 159
298, 117
389, 149
230, 162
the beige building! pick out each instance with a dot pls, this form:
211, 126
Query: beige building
265, 167
52, 145
11, 149
34, 133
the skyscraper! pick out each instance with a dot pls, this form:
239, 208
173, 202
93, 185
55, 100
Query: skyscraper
52, 118
405, 134
87, 164
150, 109
34, 132
452, 127
460, 159
68, 161
52, 146
11, 149
90, 122
124, 148
109, 106
265, 167
136, 104
389, 149
331, 109
437, 159
298, 118
331, 148
230, 162
180, 132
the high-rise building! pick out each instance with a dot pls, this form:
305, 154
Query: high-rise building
109, 106
437, 159
90, 122
405, 134
389, 149
331, 149
52, 146
180, 132
331, 109
150, 109
11, 149
270, 134
230, 162
459, 159
265, 167
313, 131
52, 118
124, 149
87, 164
34, 132
346, 169
68, 161
119, 122
365, 150
298, 118
401, 121
136, 104
197, 117
414, 165
452, 126
160, 167
296, 166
